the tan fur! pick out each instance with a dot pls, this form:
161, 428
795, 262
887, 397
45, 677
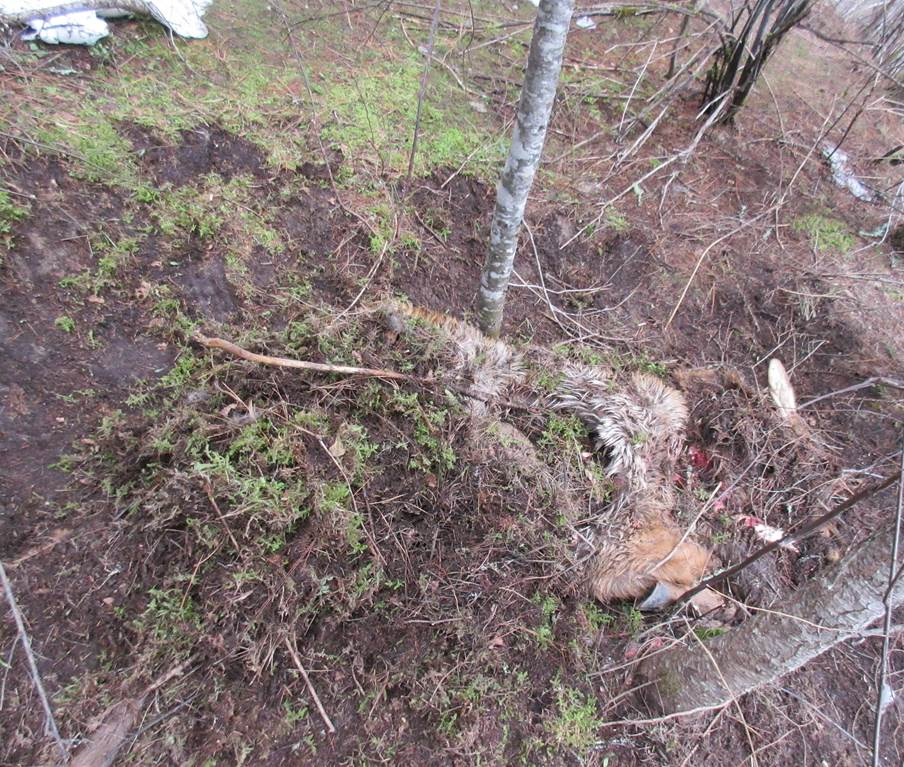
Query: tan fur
487, 366
627, 571
639, 425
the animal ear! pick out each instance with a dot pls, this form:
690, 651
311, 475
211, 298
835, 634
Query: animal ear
662, 594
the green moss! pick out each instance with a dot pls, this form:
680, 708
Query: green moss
577, 721
89, 139
825, 233
170, 618
217, 210
617, 221
10, 213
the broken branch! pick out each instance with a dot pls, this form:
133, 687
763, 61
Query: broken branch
304, 675
49, 721
285, 362
799, 534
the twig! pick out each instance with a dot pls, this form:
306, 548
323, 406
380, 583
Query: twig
351, 492
700, 260
421, 90
213, 502
643, 71
799, 534
285, 362
371, 273
869, 382
703, 509
49, 721
304, 674
815, 710
734, 697
886, 623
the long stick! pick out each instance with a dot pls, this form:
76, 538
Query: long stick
285, 362
886, 623
421, 91
802, 532
882, 380
304, 675
49, 721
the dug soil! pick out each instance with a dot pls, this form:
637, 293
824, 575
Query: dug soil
243, 565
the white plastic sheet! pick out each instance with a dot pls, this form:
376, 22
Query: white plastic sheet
78, 28
842, 174
82, 22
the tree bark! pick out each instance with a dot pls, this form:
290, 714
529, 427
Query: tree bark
537, 95
738, 61
837, 605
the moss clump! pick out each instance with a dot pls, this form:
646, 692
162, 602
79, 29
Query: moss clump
825, 233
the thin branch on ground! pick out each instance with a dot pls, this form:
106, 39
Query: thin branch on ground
637, 81
868, 383
803, 532
285, 362
859, 743
49, 722
731, 693
702, 258
646, 9
684, 155
290, 646
881, 701
690, 528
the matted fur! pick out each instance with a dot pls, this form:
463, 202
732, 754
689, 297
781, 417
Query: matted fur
639, 429
487, 366
640, 426
637, 426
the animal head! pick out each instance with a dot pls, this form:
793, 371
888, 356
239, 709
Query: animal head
655, 566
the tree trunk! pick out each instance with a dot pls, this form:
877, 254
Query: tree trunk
838, 604
744, 51
537, 95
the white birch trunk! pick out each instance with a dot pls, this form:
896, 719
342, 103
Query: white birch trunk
838, 604
537, 95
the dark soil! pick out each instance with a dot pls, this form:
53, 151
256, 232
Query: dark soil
197, 152
427, 639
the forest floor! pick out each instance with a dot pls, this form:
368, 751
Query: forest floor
177, 524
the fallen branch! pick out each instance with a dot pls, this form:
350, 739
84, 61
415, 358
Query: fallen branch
623, 10
285, 362
103, 745
869, 382
49, 721
893, 573
304, 675
322, 367
799, 534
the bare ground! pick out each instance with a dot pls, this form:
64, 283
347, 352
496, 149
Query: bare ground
165, 509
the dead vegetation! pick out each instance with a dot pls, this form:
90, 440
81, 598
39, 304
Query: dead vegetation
228, 561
